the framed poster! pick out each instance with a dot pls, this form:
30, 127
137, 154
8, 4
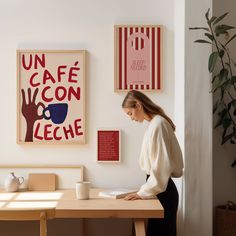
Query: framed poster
138, 61
108, 145
51, 96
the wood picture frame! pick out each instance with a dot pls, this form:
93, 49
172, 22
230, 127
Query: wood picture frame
51, 96
108, 145
138, 57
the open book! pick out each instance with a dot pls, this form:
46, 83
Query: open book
116, 193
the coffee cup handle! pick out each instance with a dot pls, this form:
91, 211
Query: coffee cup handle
40, 117
44, 114
22, 179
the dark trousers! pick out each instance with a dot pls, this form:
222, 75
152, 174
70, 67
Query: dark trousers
167, 226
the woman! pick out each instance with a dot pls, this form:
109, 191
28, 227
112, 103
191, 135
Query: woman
160, 158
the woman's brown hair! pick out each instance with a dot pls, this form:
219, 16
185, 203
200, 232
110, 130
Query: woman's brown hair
149, 107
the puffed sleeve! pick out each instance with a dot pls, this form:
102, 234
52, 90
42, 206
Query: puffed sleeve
160, 162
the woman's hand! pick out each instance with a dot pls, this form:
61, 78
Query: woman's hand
132, 196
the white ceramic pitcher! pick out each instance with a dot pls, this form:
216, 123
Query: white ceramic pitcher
12, 183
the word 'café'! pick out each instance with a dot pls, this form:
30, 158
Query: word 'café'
63, 72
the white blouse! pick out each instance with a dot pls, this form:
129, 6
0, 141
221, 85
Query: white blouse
160, 157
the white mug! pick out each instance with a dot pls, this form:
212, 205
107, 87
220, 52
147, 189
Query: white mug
82, 190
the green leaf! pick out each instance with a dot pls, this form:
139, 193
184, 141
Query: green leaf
224, 85
233, 79
227, 85
221, 81
198, 28
222, 93
227, 64
222, 29
215, 85
230, 40
223, 74
201, 41
234, 129
213, 79
207, 14
234, 103
234, 163
224, 133
210, 36
220, 18
212, 19
226, 138
225, 27
226, 123
212, 61
215, 107
222, 115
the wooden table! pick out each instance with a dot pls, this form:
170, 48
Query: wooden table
66, 205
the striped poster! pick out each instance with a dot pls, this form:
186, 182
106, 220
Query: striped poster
138, 57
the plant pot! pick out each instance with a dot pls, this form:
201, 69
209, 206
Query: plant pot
226, 220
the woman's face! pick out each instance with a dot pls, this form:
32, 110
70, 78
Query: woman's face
136, 113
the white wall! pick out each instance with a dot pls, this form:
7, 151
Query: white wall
193, 106
180, 96
77, 24
198, 126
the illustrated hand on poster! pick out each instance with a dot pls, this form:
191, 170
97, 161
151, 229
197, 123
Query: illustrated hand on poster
30, 112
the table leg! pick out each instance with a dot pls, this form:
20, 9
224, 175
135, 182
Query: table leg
83, 225
139, 225
43, 224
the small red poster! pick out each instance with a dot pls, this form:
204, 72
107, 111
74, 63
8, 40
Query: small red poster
108, 142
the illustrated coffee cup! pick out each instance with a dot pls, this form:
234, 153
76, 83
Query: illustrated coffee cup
57, 112
82, 189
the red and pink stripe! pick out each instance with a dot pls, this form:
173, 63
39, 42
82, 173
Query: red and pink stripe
154, 35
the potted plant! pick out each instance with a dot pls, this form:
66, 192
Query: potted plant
221, 65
